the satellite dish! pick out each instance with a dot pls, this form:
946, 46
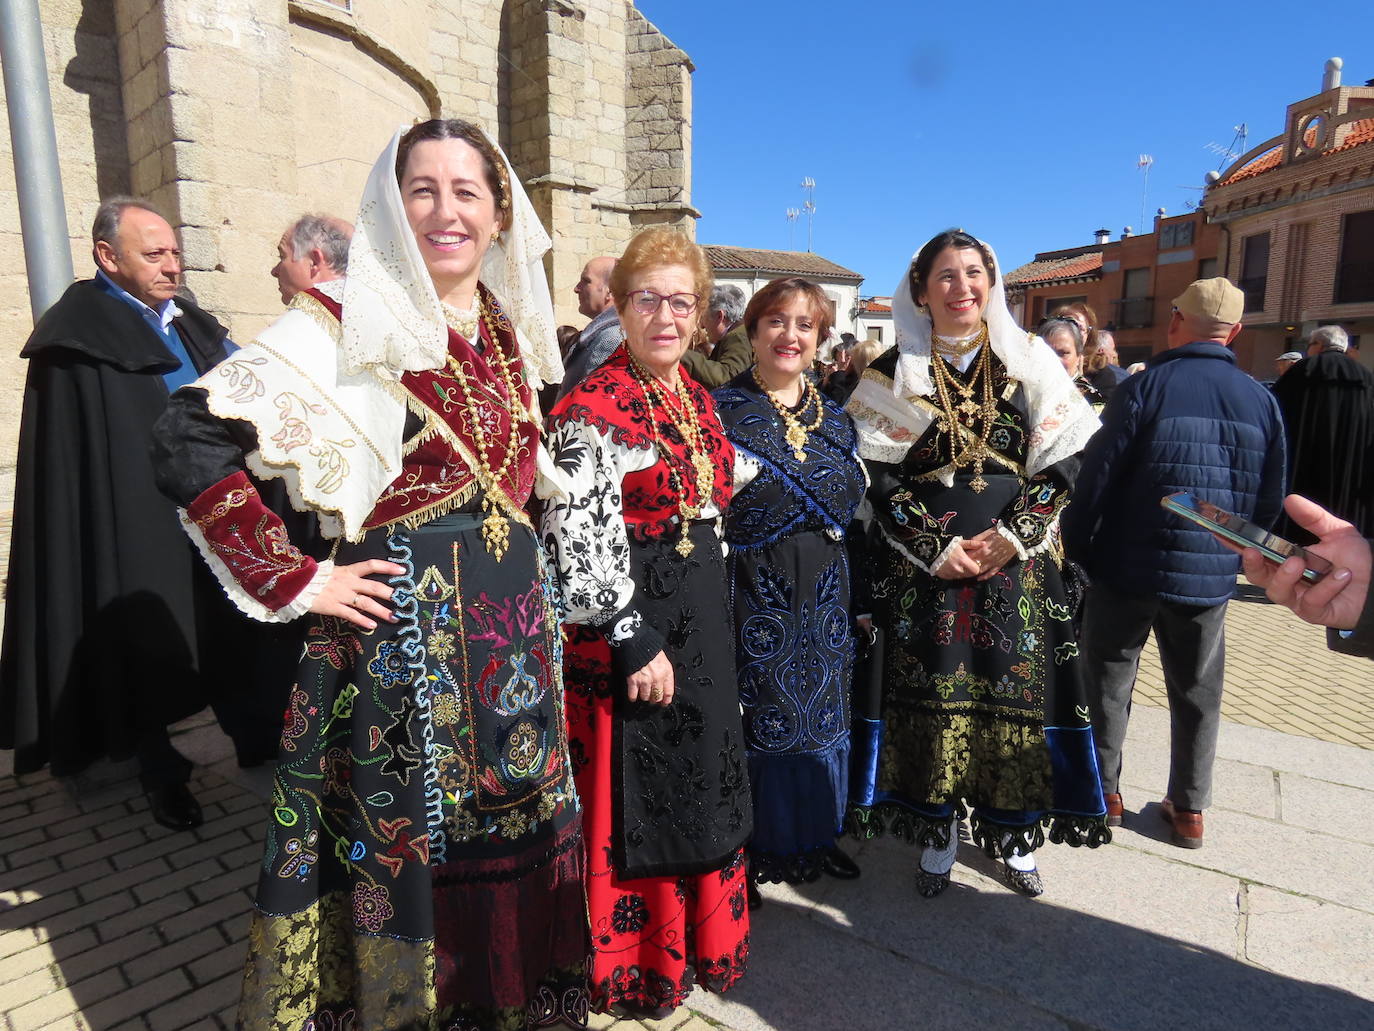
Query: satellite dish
1211, 177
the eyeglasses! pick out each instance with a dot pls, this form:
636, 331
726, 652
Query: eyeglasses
646, 302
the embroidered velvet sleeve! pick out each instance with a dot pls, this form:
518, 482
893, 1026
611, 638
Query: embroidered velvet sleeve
584, 533
1031, 519
246, 546
908, 527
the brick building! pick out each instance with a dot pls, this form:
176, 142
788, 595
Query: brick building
1296, 216
750, 268
1130, 282
234, 116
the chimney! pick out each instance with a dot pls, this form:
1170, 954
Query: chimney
1102, 236
1332, 79
1127, 233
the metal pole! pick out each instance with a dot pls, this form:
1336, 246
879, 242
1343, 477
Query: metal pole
42, 213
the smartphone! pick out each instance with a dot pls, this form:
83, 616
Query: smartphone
1244, 533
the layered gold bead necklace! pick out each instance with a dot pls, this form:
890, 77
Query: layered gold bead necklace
689, 428
953, 415
797, 432
495, 527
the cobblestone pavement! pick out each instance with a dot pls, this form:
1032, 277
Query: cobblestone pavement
107, 921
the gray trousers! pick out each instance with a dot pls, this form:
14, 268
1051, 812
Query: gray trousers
1192, 649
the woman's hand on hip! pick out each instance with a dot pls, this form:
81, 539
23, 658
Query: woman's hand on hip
653, 683
349, 594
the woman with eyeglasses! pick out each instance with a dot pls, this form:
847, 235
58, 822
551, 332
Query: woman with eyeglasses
653, 709
972, 431
1065, 337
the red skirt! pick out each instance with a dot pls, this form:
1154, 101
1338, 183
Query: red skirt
652, 937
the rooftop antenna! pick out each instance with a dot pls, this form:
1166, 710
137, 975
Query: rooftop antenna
1144, 163
809, 185
1237, 147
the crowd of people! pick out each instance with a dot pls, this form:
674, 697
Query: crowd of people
562, 687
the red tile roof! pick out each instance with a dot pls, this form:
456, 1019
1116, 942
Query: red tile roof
775, 263
876, 306
1053, 270
1360, 132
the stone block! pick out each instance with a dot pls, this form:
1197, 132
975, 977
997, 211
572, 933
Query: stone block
1333, 809
1319, 942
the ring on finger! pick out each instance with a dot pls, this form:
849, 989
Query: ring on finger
357, 600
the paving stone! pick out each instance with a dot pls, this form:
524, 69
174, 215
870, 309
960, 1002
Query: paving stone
123, 880
53, 848
142, 999
28, 878
140, 916
218, 961
177, 880
101, 849
189, 1010
43, 954
64, 1001
1334, 809
1314, 941
190, 919
77, 968
234, 880
158, 957
32, 914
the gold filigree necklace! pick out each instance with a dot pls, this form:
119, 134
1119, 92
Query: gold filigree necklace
689, 428
962, 451
797, 432
959, 348
495, 527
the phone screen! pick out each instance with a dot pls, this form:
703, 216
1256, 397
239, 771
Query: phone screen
1245, 533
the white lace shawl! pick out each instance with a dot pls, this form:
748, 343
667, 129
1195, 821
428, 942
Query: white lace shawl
889, 422
392, 317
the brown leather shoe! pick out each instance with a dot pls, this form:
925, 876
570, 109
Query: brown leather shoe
1115, 808
1187, 824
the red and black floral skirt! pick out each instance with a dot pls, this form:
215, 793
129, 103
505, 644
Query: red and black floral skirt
654, 936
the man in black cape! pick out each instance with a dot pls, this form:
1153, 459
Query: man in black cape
105, 596
1327, 401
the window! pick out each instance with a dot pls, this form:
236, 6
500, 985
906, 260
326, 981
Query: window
1254, 270
1179, 234
1355, 272
1135, 306
875, 333
1207, 268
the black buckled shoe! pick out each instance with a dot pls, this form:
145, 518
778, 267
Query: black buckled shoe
173, 806
838, 863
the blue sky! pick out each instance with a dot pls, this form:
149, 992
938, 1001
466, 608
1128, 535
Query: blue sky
1022, 123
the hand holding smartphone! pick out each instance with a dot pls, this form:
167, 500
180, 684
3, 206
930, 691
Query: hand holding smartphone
1242, 533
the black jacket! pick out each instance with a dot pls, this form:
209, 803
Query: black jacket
99, 637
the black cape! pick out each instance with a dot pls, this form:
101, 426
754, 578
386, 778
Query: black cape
1327, 402
104, 593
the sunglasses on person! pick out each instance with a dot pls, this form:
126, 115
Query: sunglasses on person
647, 302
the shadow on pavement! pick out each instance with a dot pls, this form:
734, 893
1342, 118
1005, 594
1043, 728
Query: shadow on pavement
872, 954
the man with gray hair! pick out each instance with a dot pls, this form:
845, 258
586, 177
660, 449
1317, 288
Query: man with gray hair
1327, 401
314, 249
100, 639
602, 335
724, 328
